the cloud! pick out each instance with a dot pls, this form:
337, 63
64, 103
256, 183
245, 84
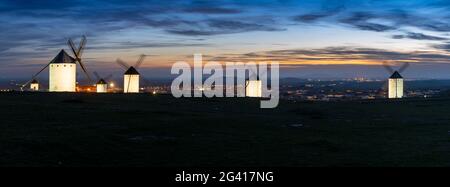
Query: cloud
137, 45
230, 25
379, 16
328, 8
213, 10
40, 27
418, 36
40, 5
373, 27
362, 21
217, 26
191, 32
445, 47
45, 25
336, 56
359, 20
309, 18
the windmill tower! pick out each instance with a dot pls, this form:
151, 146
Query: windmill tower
62, 73
34, 85
63, 69
395, 86
131, 76
395, 82
101, 85
253, 86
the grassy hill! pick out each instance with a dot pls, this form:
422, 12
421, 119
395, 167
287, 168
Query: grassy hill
47, 129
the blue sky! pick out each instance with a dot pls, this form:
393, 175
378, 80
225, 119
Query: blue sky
310, 38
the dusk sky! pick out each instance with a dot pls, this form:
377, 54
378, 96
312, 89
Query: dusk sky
310, 38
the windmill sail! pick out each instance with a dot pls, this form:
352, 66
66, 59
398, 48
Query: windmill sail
77, 52
131, 76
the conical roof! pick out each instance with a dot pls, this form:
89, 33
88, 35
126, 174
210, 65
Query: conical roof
101, 81
62, 57
396, 75
131, 71
34, 81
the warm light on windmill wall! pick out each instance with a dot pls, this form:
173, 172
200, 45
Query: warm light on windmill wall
62, 79
34, 86
102, 88
131, 84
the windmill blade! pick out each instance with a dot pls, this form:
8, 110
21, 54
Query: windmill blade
72, 47
77, 52
403, 68
122, 64
35, 75
140, 61
81, 46
84, 69
77, 57
388, 68
97, 75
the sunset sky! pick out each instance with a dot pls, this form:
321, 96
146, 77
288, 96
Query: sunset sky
310, 38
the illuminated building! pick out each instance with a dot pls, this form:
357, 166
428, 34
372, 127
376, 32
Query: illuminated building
395, 86
131, 81
62, 73
102, 86
34, 85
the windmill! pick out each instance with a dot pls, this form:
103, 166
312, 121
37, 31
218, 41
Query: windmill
102, 85
62, 69
395, 81
62, 73
34, 85
131, 75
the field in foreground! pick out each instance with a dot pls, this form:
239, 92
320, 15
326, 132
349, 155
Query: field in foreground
44, 129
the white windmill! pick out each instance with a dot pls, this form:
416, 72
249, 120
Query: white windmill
62, 69
62, 73
395, 81
131, 76
102, 85
34, 85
